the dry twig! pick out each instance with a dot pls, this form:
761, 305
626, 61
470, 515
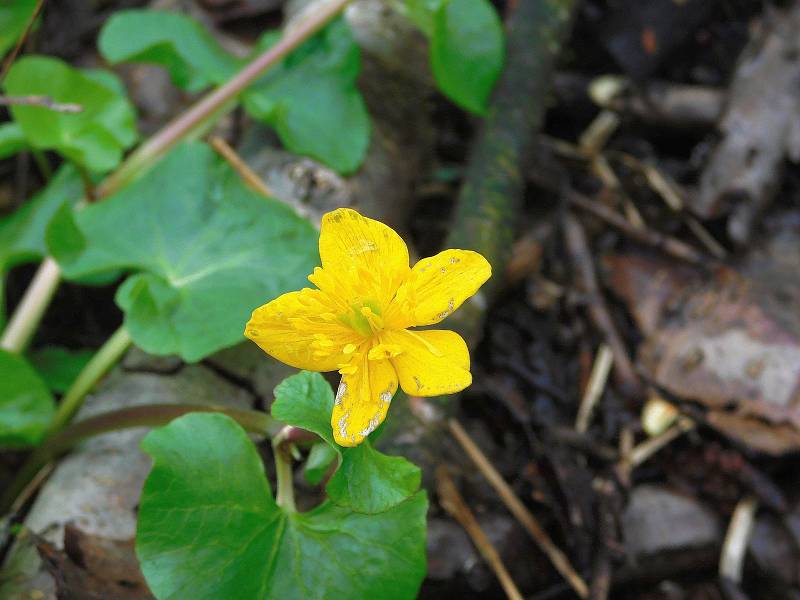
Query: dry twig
578, 247
734, 547
245, 172
603, 361
42, 102
456, 507
518, 509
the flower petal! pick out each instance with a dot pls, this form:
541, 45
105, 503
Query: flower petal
431, 362
362, 400
438, 285
366, 254
301, 330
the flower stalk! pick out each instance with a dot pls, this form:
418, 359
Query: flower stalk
208, 109
100, 364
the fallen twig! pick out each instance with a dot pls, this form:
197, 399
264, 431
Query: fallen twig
578, 248
41, 101
456, 507
603, 361
736, 539
669, 245
518, 509
245, 172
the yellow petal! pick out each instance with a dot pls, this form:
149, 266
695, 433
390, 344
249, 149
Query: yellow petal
438, 285
431, 363
300, 329
362, 401
366, 255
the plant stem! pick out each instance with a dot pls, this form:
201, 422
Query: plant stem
138, 416
45, 170
284, 496
22, 325
101, 363
33, 305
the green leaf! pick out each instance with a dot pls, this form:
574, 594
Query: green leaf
14, 17
12, 139
206, 248
26, 405
467, 51
209, 528
190, 54
312, 101
58, 367
366, 481
319, 460
22, 233
94, 137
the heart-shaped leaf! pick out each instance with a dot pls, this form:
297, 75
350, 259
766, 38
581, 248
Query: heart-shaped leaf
14, 17
209, 528
26, 405
366, 481
467, 51
206, 248
312, 101
192, 56
96, 136
311, 98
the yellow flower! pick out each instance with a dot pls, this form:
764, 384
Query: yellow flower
358, 320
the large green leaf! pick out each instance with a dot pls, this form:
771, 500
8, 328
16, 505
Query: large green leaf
14, 17
192, 56
26, 405
22, 232
312, 101
94, 137
366, 481
206, 248
209, 528
467, 51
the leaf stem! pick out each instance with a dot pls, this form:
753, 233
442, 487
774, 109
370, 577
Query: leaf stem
22, 325
34, 303
108, 355
284, 495
152, 415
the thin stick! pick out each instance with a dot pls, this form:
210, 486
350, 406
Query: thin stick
603, 361
734, 547
578, 247
242, 168
41, 101
452, 501
34, 303
649, 447
669, 245
519, 510
13, 56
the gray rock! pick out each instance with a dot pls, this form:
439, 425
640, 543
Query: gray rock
658, 520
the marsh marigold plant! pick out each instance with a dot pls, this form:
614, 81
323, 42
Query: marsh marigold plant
359, 320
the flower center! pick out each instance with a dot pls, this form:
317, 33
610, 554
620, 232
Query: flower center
365, 318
